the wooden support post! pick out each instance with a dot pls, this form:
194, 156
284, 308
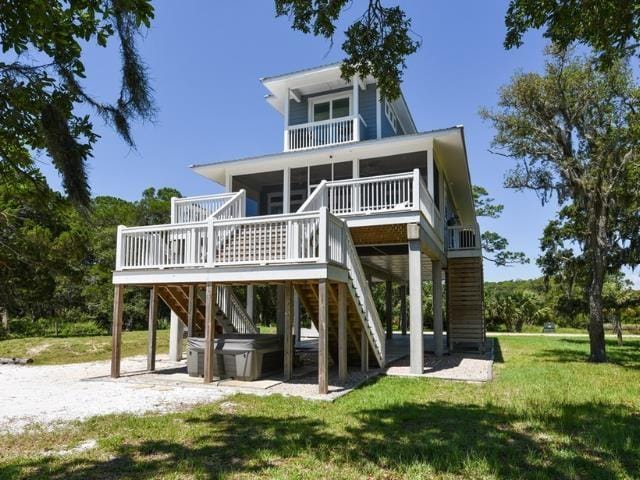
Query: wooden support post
191, 309
403, 309
342, 332
288, 333
323, 337
436, 275
364, 351
250, 301
388, 311
280, 310
153, 322
175, 338
116, 332
416, 341
209, 332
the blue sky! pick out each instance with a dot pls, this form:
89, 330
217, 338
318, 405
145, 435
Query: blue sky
205, 59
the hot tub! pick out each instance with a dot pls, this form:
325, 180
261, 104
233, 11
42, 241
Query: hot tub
243, 357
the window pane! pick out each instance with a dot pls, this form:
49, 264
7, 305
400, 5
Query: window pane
341, 107
321, 111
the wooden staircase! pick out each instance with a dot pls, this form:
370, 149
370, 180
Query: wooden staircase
308, 293
177, 299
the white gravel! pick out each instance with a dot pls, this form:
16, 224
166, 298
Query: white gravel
54, 394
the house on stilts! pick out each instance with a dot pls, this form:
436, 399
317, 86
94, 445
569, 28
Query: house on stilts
357, 196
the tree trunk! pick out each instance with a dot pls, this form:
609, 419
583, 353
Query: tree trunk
4, 313
597, 256
617, 327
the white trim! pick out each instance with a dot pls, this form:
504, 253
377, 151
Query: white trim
247, 274
329, 97
295, 95
391, 115
378, 115
286, 190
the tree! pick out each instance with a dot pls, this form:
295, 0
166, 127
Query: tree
574, 132
610, 27
377, 44
41, 89
494, 244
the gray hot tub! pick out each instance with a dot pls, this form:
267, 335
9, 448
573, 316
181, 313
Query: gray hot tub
244, 357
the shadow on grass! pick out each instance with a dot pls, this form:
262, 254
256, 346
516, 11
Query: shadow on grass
576, 441
577, 350
497, 351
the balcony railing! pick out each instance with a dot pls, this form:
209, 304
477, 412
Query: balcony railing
197, 209
463, 237
379, 194
324, 133
274, 239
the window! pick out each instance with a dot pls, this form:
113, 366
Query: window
330, 107
391, 116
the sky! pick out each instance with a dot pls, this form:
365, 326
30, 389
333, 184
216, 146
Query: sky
205, 60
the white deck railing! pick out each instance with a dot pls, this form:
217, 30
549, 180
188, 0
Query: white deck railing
371, 194
290, 238
197, 209
324, 133
379, 194
463, 237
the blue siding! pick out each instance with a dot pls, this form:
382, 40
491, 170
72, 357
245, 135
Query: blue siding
298, 112
387, 129
368, 111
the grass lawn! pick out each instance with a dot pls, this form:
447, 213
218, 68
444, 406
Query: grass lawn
548, 414
56, 350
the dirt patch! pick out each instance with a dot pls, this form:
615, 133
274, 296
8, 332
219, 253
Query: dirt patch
38, 349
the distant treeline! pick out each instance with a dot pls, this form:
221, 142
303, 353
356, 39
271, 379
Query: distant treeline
510, 305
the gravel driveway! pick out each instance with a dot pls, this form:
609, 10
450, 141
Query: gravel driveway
61, 393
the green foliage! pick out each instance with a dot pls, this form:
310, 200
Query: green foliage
574, 132
376, 44
56, 263
40, 82
494, 245
610, 27
512, 305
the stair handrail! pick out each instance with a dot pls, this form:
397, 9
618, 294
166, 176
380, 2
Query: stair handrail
316, 200
231, 307
365, 298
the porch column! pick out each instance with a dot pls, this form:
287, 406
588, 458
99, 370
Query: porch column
323, 337
388, 311
116, 332
280, 310
153, 321
209, 333
415, 308
286, 190
436, 275
342, 332
288, 337
176, 332
403, 309
191, 309
250, 301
